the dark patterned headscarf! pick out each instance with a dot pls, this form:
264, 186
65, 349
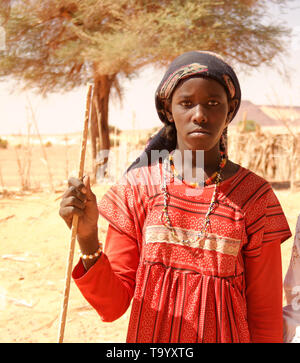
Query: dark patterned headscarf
191, 64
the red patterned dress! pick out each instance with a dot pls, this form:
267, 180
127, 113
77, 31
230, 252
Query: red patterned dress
225, 288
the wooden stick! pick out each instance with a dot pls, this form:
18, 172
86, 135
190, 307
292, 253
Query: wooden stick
74, 222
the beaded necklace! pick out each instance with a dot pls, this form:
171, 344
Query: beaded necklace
165, 216
209, 180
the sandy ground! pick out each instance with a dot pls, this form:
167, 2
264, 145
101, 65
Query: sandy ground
33, 254
34, 249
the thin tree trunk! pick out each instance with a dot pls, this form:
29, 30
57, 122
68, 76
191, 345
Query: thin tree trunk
100, 149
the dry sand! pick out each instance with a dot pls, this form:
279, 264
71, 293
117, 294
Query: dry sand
33, 253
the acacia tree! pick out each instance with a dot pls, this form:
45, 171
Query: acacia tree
57, 45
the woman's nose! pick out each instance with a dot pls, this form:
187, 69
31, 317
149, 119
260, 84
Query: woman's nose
199, 115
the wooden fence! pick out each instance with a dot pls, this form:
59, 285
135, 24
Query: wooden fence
276, 157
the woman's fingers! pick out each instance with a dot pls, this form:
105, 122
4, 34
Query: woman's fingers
75, 182
72, 201
79, 200
69, 211
77, 193
67, 214
87, 189
76, 189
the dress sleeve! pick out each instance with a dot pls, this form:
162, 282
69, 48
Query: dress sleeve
265, 223
109, 284
117, 207
263, 276
266, 228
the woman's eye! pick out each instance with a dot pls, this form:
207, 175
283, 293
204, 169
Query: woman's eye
212, 103
186, 103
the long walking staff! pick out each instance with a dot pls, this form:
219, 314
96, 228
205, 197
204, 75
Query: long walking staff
74, 221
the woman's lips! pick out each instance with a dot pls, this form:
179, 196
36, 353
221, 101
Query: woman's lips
199, 132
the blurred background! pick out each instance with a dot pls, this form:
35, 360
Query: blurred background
50, 50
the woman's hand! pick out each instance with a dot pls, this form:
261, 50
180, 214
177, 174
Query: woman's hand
80, 200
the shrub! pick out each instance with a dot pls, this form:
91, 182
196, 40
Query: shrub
3, 143
249, 126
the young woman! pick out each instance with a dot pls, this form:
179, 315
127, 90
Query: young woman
201, 261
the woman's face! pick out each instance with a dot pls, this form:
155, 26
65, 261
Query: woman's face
200, 111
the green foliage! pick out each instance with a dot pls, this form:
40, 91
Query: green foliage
57, 45
247, 126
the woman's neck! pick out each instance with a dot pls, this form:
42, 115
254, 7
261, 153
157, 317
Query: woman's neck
190, 162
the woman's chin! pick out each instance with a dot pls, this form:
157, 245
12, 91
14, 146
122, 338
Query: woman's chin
198, 146
197, 143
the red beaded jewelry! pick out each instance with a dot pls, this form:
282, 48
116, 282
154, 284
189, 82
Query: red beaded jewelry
209, 180
216, 178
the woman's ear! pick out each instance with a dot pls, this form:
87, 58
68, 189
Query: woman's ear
232, 106
169, 111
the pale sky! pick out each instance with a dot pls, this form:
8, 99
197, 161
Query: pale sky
64, 113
